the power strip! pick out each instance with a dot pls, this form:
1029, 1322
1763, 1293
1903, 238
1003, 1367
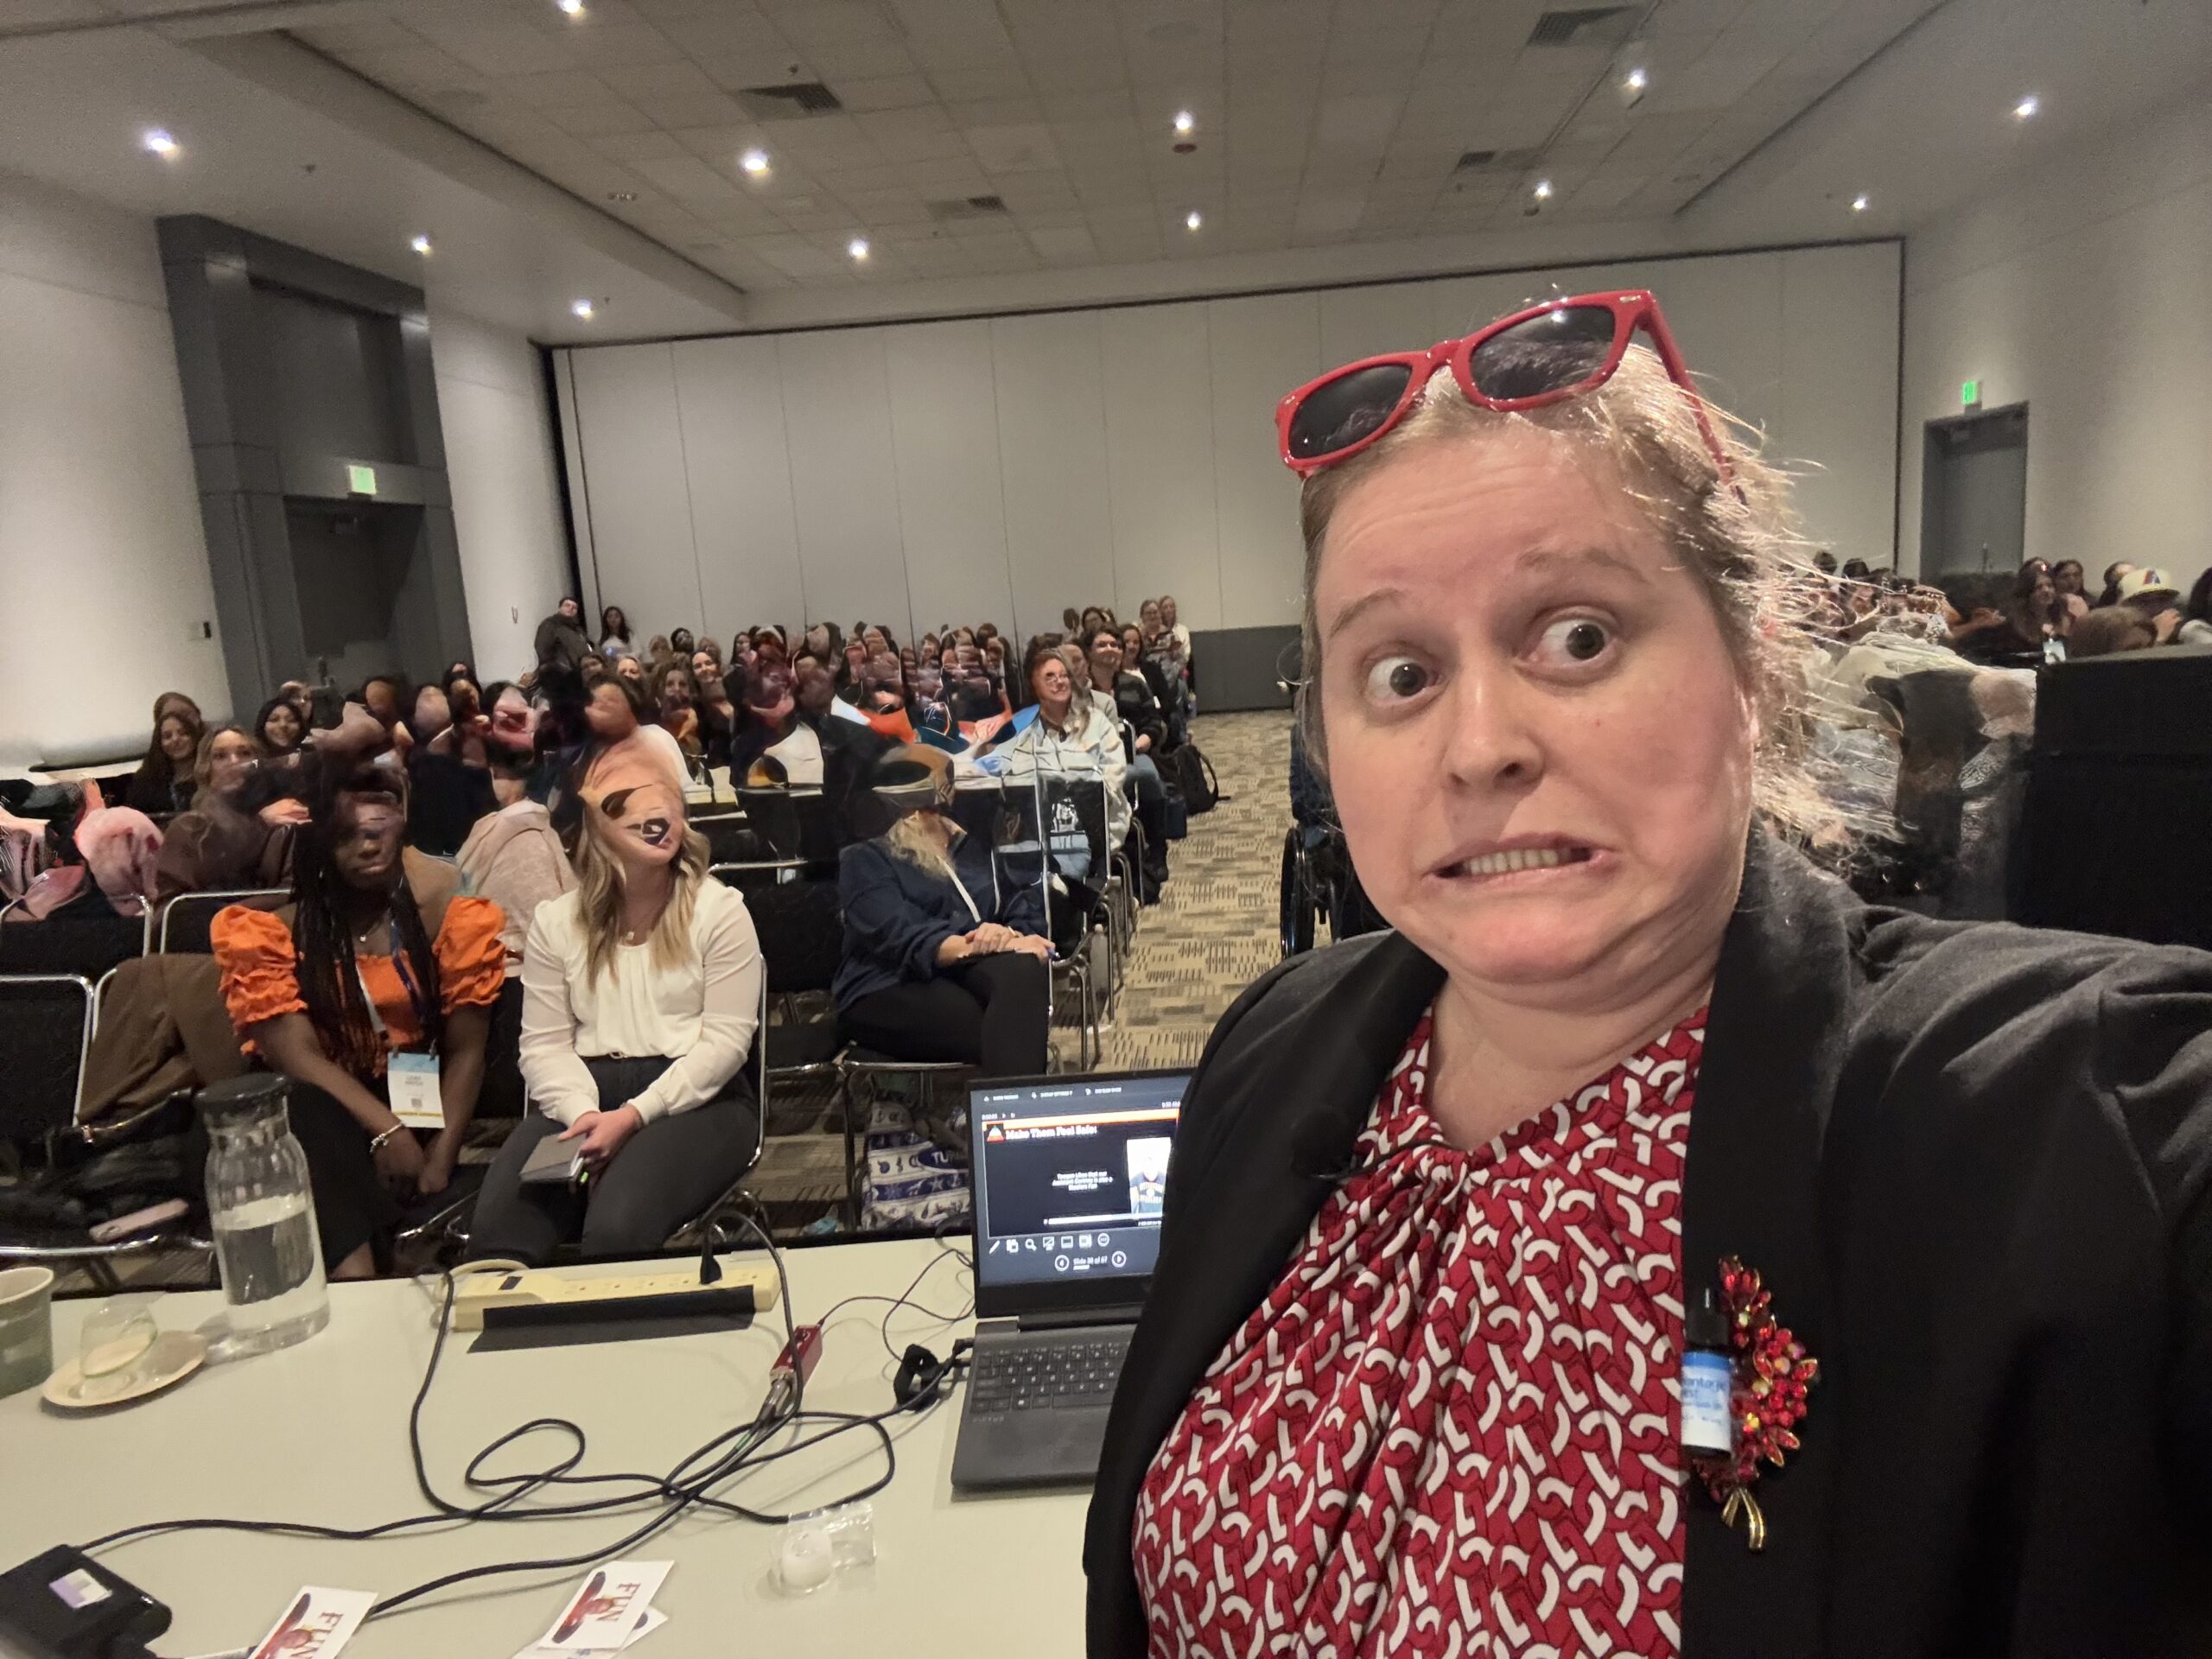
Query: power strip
597, 1293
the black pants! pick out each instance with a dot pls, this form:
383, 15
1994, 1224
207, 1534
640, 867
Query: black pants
989, 1014
353, 1206
666, 1173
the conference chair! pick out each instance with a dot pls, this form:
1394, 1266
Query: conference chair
46, 1034
47, 1022
180, 925
84, 938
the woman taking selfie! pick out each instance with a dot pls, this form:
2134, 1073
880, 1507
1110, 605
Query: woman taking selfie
377, 958
641, 993
1411, 1378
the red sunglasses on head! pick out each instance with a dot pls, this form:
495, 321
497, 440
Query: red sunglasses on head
1559, 349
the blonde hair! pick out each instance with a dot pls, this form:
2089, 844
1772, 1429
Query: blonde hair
1740, 542
598, 899
906, 839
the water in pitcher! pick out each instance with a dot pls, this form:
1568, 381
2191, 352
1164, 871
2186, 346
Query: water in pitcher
272, 1272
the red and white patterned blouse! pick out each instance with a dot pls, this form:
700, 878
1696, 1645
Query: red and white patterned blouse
1451, 1428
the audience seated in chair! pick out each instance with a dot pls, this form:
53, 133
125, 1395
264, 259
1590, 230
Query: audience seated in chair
1144, 733
1072, 735
163, 782
945, 955
239, 833
377, 954
641, 997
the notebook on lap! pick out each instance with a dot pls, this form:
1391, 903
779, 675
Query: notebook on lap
1069, 1173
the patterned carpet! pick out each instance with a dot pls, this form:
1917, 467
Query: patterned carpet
1214, 930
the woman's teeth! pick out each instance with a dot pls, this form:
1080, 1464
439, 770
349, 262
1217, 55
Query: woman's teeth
1528, 858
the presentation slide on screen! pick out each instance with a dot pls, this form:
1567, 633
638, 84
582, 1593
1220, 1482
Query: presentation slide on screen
1073, 1179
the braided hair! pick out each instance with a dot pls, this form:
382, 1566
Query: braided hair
323, 937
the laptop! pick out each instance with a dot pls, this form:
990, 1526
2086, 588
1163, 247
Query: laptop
1069, 1172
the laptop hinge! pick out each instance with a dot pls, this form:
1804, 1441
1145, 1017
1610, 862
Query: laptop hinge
1063, 1318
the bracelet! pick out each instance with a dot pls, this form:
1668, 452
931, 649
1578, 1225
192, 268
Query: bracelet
376, 1144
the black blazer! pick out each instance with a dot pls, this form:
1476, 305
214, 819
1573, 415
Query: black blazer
1974, 1165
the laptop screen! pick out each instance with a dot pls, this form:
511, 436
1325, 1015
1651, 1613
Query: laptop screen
1069, 1175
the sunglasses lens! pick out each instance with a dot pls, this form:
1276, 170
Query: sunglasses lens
1339, 415
1550, 353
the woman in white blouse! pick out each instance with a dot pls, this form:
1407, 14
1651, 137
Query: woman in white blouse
641, 992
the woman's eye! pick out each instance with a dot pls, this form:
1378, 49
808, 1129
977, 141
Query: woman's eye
1573, 641
1396, 679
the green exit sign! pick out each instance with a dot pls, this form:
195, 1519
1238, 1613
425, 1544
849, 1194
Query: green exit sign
361, 480
1970, 395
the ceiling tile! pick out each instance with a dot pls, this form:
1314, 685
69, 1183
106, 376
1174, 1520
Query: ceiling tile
599, 120
1025, 149
859, 61
569, 87
1070, 245
822, 141
893, 92
967, 83
499, 48
647, 84
630, 149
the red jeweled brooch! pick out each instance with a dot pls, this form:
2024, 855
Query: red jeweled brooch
1773, 1374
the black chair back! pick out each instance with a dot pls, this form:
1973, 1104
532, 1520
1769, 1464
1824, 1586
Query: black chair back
181, 925
84, 937
46, 1028
730, 838
801, 933
791, 823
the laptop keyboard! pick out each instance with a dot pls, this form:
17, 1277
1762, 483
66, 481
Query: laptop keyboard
1045, 1376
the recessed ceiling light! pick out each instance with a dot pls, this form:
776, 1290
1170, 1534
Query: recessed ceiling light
2026, 107
582, 309
1193, 220
574, 8
1186, 123
1638, 81
754, 162
1859, 203
421, 245
857, 247
1543, 190
158, 140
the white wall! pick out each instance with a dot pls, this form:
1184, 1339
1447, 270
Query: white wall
507, 502
101, 553
2083, 289
1005, 467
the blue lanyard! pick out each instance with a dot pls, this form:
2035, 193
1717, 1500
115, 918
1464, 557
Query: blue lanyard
415, 997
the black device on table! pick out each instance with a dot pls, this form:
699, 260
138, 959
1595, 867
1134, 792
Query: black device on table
1069, 1175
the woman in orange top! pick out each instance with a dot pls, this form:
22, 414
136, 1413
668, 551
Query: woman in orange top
431, 964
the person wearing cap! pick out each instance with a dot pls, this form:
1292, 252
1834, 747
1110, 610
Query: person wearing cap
641, 995
944, 955
2152, 594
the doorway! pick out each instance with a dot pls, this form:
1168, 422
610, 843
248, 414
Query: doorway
1973, 497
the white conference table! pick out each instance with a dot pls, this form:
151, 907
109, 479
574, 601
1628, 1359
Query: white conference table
318, 1433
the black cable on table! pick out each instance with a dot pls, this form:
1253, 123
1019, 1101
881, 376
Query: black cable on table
685, 1486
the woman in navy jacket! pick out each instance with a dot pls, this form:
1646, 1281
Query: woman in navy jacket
944, 952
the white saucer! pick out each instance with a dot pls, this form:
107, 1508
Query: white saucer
175, 1355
